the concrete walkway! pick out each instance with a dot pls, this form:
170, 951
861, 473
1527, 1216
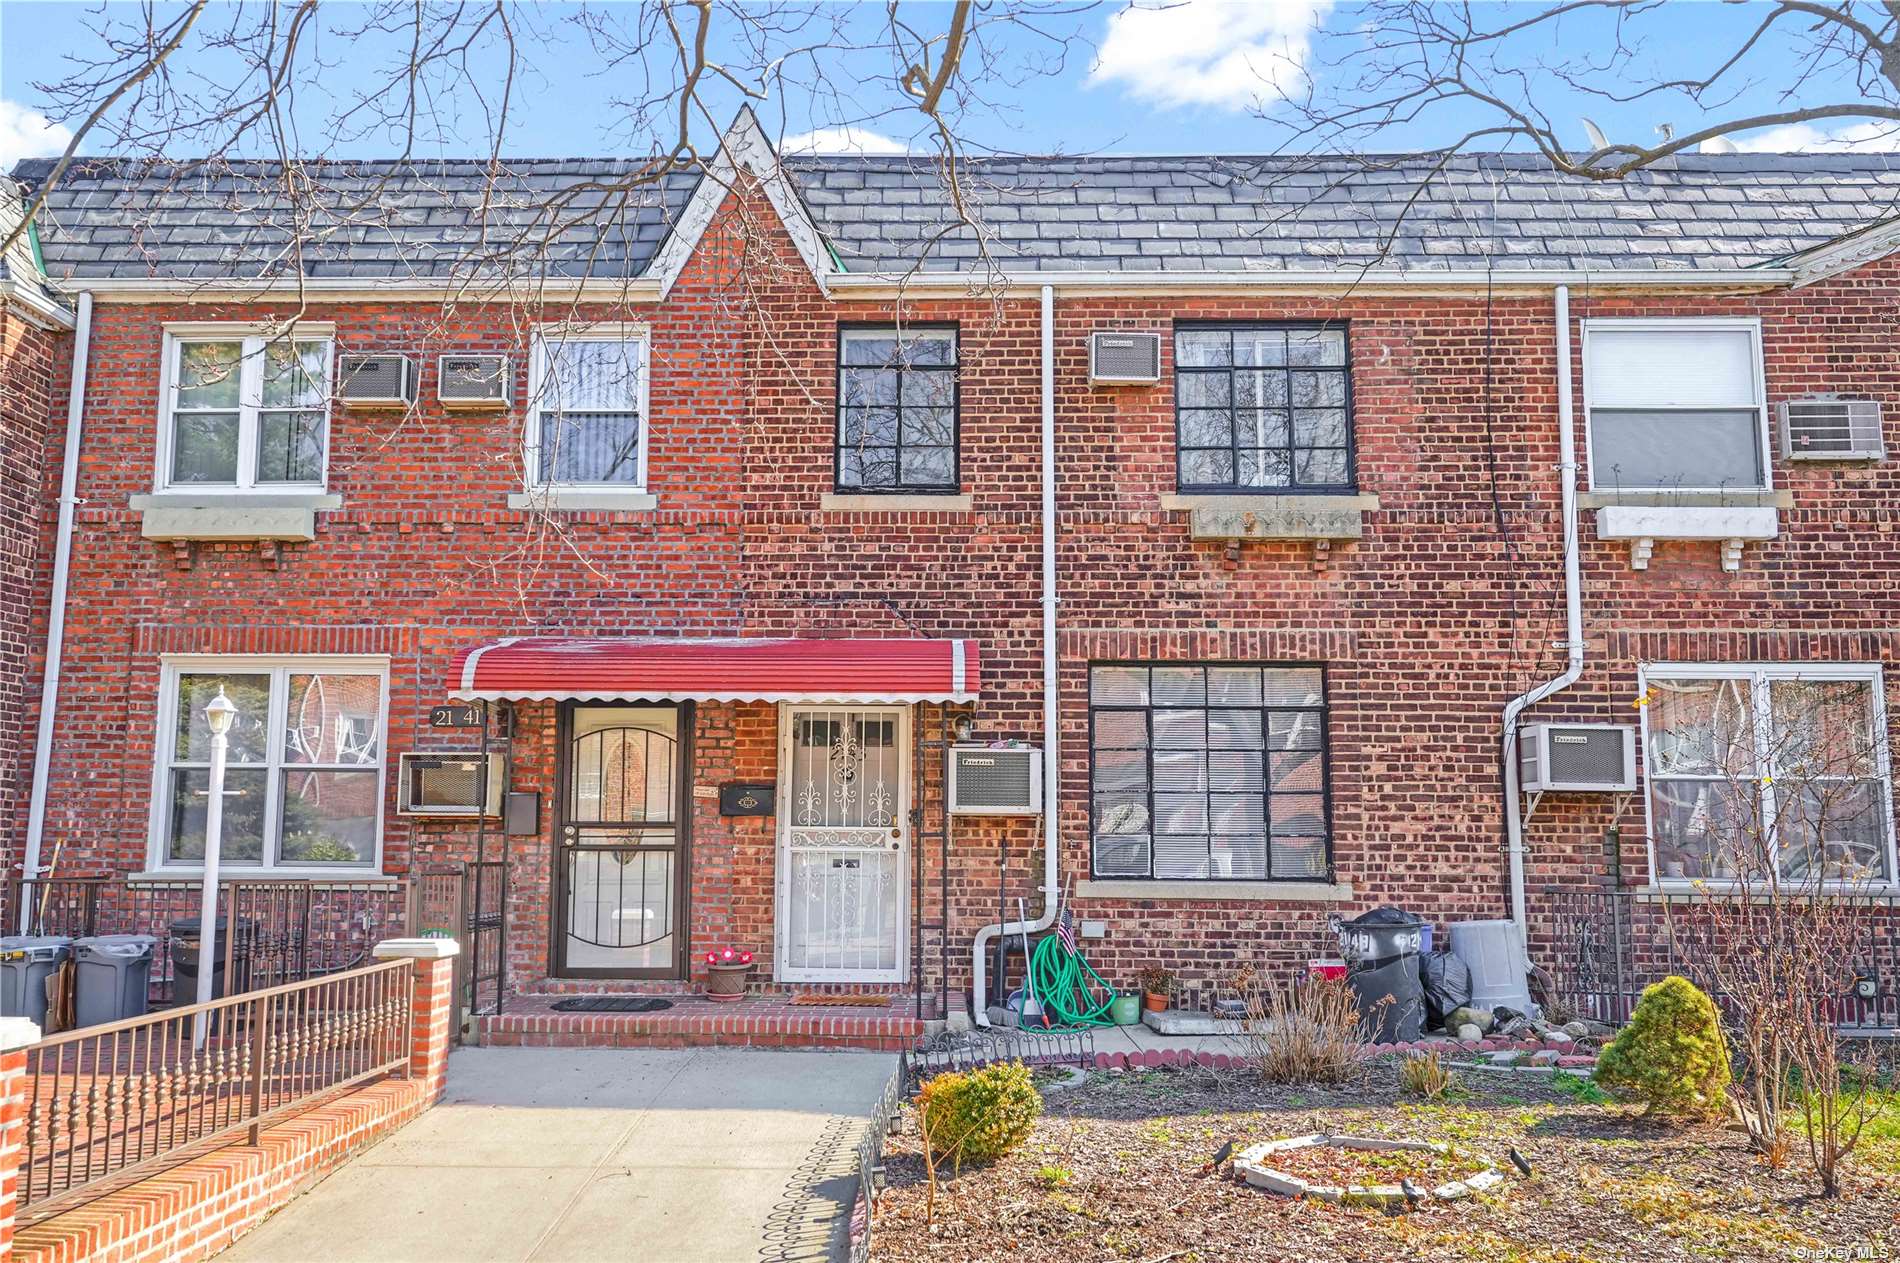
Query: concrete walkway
675, 1156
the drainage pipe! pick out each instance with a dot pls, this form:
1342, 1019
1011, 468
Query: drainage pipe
1573, 622
1051, 760
56, 615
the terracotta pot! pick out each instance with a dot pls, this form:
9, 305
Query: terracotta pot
1156, 1001
726, 982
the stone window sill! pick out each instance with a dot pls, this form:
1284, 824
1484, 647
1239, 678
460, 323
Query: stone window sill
1273, 517
237, 516
1216, 891
836, 502
1730, 525
563, 500
1781, 499
355, 876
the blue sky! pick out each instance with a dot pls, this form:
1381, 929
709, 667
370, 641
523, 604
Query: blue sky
1160, 76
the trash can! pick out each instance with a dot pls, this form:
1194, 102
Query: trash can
185, 935
113, 977
26, 962
1382, 950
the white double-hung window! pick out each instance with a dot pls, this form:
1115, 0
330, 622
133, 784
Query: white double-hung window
244, 409
1675, 405
1768, 771
303, 784
587, 408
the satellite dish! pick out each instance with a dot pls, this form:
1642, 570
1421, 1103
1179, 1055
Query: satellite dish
1597, 139
1718, 144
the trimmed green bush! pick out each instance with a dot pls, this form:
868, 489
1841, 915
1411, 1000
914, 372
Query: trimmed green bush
979, 1115
1671, 1057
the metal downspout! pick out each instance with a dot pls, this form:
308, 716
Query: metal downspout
1051, 757
1573, 621
56, 614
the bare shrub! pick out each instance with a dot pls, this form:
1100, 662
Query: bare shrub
1426, 1074
1307, 1031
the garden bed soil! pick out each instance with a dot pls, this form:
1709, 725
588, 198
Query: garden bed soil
1113, 1171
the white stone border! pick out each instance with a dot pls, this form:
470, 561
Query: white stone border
1252, 1167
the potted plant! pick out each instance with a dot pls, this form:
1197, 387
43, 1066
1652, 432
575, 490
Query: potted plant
726, 970
1157, 984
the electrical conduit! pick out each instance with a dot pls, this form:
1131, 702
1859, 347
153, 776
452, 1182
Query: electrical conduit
1573, 623
1051, 763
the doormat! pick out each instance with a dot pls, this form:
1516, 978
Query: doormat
855, 999
611, 1004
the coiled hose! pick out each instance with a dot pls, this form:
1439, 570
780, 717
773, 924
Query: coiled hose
1070, 991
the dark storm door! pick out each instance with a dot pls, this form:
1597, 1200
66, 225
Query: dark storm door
620, 842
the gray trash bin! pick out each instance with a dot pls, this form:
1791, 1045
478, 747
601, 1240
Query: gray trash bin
26, 962
114, 977
1381, 950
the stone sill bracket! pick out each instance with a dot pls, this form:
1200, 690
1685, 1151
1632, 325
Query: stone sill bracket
1730, 527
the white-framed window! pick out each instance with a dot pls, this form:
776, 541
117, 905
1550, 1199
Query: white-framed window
303, 778
587, 408
1676, 405
1760, 769
244, 409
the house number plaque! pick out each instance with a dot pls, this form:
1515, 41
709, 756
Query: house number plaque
456, 715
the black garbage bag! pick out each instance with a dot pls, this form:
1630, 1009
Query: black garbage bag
1447, 982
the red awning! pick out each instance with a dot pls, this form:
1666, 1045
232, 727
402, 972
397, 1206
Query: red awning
746, 669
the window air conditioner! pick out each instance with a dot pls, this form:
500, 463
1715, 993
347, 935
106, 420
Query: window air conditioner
1124, 359
1831, 429
995, 781
1576, 758
365, 380
472, 381
448, 784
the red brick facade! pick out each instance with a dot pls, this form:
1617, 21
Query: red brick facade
1447, 607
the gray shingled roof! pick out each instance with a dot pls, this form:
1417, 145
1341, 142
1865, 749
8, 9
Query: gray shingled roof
122, 218
1238, 214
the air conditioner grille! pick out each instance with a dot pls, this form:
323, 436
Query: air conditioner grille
1125, 357
992, 780
449, 784
1831, 429
472, 379
1586, 756
376, 379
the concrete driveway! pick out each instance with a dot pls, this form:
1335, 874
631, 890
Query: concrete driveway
673, 1156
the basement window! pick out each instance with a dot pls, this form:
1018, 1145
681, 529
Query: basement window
898, 410
1263, 408
1209, 772
1759, 772
244, 410
1675, 405
303, 786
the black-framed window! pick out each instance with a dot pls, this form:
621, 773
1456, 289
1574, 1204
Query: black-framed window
1263, 407
897, 408
1209, 772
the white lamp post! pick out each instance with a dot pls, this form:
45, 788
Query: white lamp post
219, 715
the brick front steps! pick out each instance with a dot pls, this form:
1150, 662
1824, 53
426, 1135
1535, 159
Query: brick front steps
756, 1022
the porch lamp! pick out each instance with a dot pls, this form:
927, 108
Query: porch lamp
220, 713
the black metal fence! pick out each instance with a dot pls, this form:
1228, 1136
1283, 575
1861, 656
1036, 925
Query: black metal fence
1602, 946
870, 1164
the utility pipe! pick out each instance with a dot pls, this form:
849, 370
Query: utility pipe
56, 615
1573, 622
1051, 760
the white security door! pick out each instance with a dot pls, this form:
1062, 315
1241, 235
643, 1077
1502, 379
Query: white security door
844, 805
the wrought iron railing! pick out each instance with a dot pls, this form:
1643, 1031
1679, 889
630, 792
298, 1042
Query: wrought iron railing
109, 1102
870, 1163
1601, 946
276, 931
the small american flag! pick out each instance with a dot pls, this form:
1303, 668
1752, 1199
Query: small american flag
1065, 931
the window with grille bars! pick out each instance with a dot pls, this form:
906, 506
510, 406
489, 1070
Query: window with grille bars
1263, 408
1209, 772
897, 409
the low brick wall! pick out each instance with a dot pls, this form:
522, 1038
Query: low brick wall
194, 1209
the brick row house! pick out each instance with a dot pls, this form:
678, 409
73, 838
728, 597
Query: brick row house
741, 501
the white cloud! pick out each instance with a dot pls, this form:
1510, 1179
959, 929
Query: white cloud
1807, 138
27, 133
1209, 52
851, 140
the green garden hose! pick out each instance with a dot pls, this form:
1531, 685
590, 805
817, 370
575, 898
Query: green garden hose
1068, 988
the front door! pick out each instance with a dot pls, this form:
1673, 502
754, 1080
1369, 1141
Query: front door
844, 804
620, 852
